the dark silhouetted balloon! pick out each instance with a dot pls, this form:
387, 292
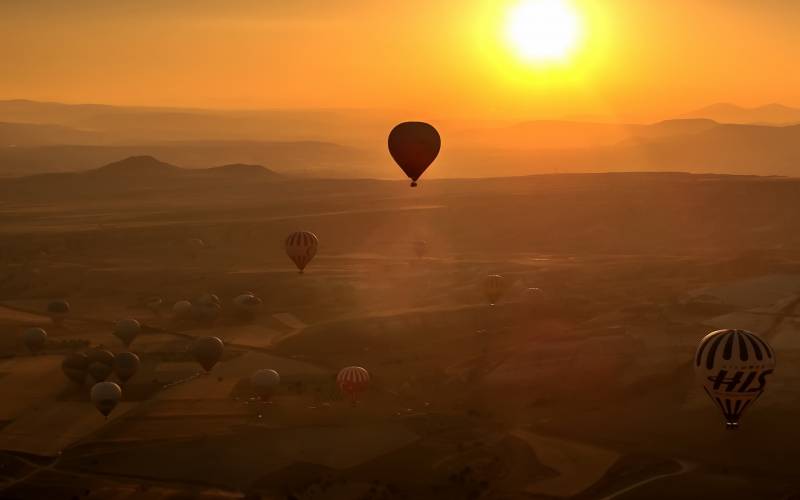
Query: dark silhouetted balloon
301, 247
126, 364
414, 146
207, 351
127, 330
106, 396
494, 286
35, 339
75, 367
264, 383
58, 310
100, 363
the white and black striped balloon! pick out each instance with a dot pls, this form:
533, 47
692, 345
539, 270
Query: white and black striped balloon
301, 246
733, 366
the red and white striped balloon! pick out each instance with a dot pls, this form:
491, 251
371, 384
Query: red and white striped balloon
301, 246
352, 381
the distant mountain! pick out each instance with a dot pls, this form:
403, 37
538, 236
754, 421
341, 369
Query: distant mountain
296, 158
732, 149
130, 125
133, 176
771, 114
35, 134
548, 134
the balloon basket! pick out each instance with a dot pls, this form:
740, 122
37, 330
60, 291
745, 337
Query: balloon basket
413, 184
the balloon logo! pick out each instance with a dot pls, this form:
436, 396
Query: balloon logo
414, 146
733, 366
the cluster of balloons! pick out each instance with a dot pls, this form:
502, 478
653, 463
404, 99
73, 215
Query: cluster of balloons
98, 364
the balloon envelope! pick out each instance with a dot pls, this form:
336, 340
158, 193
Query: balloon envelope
126, 364
106, 396
352, 381
414, 146
494, 287
35, 339
127, 330
207, 351
301, 247
732, 366
182, 308
265, 382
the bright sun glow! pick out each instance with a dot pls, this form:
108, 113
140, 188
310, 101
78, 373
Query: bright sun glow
543, 30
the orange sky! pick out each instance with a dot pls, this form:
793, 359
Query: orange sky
640, 59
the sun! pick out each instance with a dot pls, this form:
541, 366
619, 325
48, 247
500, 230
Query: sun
543, 31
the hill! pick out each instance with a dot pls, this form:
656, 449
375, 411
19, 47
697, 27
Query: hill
770, 114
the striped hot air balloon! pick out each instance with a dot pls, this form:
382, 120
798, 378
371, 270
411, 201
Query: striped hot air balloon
352, 381
733, 366
494, 288
301, 246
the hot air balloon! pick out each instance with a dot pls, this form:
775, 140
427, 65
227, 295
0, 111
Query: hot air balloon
182, 309
206, 312
35, 339
100, 364
126, 364
246, 304
208, 299
733, 366
106, 396
352, 381
301, 246
127, 330
207, 351
414, 146
75, 367
420, 248
58, 310
154, 304
494, 288
265, 382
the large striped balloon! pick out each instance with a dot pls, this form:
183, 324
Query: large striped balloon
301, 246
732, 366
352, 381
494, 287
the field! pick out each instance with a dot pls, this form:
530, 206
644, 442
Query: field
583, 390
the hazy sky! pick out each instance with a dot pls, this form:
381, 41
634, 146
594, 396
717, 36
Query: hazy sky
638, 58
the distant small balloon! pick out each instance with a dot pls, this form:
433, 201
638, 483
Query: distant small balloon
127, 330
301, 247
494, 286
414, 146
58, 310
35, 339
207, 351
264, 383
353, 381
420, 248
182, 309
126, 364
106, 396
